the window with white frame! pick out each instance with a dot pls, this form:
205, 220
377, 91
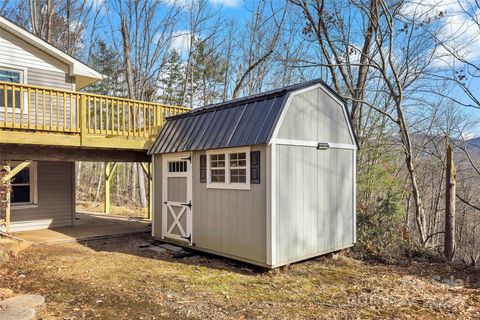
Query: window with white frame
24, 186
228, 169
8, 95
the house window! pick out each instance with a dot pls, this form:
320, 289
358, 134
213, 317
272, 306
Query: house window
24, 186
227, 169
12, 76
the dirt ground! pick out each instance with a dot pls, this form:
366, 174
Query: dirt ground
118, 279
115, 210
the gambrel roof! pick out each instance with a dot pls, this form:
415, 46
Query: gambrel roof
246, 121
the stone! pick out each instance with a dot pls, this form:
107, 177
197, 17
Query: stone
18, 313
172, 248
158, 249
26, 300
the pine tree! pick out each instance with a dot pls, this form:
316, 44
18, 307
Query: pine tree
107, 61
171, 80
208, 74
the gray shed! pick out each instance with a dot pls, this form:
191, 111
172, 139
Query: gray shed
267, 179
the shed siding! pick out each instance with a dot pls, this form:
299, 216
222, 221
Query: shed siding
315, 115
157, 196
55, 199
227, 222
314, 197
231, 222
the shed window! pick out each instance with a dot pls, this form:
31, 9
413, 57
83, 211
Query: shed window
12, 97
177, 166
24, 186
227, 169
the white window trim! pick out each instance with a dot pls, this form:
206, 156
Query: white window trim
227, 184
33, 167
23, 80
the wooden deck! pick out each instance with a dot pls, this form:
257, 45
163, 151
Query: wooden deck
43, 116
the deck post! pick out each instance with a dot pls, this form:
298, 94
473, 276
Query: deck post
150, 191
83, 118
148, 171
108, 174
107, 187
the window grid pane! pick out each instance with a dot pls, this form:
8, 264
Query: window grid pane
218, 175
238, 160
20, 194
177, 166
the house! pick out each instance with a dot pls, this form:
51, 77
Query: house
267, 179
46, 125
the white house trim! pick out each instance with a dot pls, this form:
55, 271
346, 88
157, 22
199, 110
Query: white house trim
307, 143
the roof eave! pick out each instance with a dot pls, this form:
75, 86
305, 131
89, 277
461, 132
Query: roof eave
76, 68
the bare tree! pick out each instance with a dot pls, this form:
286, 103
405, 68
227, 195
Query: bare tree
264, 33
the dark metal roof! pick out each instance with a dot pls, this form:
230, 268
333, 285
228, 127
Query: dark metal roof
240, 122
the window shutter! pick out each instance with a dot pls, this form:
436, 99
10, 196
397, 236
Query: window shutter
255, 167
203, 168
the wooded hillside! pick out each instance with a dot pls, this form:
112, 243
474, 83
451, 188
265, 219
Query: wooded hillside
408, 71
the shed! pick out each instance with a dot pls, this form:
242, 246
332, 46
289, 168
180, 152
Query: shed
268, 179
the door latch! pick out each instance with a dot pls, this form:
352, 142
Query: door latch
323, 146
189, 158
189, 204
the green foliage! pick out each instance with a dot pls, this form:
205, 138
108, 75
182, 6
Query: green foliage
208, 74
107, 61
172, 79
381, 207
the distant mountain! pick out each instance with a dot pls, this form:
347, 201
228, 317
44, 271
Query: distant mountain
475, 142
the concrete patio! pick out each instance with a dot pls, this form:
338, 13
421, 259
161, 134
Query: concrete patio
87, 226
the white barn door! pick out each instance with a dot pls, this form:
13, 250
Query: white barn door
177, 197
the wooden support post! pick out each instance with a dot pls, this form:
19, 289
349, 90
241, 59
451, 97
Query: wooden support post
17, 169
150, 191
108, 174
450, 194
83, 118
148, 170
107, 187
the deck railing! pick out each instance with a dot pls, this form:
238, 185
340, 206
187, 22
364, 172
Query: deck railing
44, 109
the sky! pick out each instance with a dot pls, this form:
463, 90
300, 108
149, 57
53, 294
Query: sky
456, 28
460, 32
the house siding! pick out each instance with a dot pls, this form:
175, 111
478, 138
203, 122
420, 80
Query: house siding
15, 52
55, 199
39, 69
51, 79
226, 222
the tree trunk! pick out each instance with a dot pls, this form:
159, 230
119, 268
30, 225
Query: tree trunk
141, 186
134, 182
127, 60
79, 173
450, 206
99, 186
